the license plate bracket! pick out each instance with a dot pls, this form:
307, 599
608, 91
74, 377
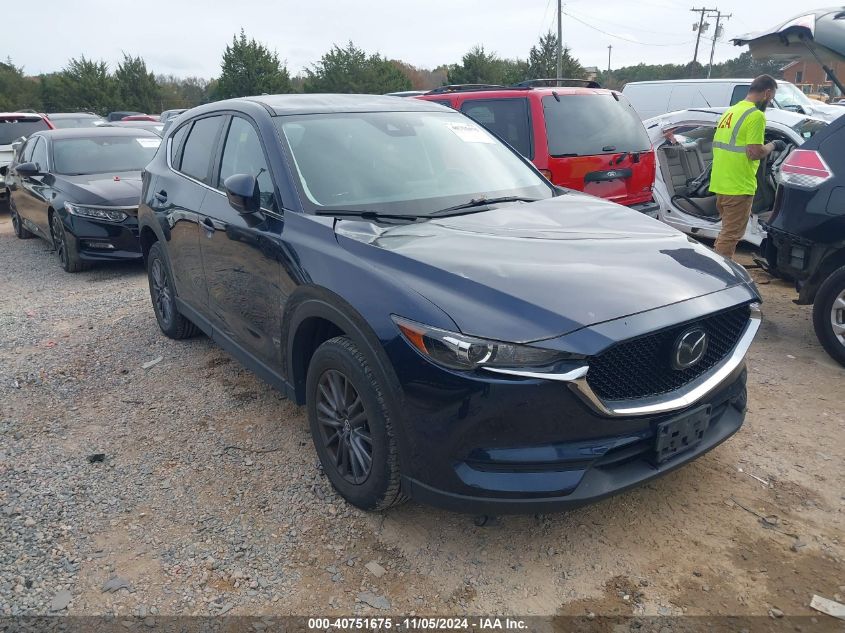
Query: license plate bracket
680, 434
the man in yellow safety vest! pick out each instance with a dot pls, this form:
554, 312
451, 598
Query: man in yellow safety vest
738, 147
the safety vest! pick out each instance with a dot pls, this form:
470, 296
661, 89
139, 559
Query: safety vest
733, 173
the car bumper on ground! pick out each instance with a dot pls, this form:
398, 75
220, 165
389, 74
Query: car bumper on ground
105, 241
650, 208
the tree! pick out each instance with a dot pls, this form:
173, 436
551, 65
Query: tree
477, 67
351, 70
82, 85
17, 91
250, 68
187, 92
136, 86
542, 60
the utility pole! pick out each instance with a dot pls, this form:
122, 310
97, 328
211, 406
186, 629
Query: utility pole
716, 34
559, 39
609, 48
700, 28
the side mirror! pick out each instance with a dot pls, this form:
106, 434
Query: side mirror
243, 193
27, 170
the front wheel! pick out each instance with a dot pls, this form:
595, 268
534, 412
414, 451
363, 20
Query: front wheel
21, 231
65, 247
829, 315
351, 426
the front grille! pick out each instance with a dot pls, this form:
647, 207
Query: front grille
642, 367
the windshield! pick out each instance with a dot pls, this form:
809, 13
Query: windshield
409, 163
589, 124
12, 129
103, 154
789, 95
808, 127
71, 122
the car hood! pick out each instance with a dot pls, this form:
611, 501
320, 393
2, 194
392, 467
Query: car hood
118, 189
526, 272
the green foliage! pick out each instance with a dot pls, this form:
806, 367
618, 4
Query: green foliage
739, 67
176, 92
250, 68
351, 70
136, 86
542, 60
84, 84
17, 92
478, 67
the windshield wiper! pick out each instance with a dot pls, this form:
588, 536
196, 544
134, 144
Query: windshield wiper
482, 202
368, 215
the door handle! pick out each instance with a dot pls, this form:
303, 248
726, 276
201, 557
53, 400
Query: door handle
208, 225
161, 196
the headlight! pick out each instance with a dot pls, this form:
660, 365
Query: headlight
95, 213
458, 351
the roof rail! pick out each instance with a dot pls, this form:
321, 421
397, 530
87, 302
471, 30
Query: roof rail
560, 82
468, 87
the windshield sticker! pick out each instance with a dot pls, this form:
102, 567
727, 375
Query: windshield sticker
470, 133
149, 142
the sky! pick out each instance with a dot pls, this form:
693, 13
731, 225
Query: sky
187, 37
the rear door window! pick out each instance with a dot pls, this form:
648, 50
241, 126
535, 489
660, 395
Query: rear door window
12, 129
243, 154
199, 148
590, 124
507, 118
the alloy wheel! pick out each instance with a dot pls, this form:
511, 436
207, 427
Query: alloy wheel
162, 295
837, 317
344, 426
59, 243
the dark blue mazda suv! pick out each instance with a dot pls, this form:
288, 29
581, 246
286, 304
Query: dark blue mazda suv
461, 331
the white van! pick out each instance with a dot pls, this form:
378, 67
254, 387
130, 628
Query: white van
653, 98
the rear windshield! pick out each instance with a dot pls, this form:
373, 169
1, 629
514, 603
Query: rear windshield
808, 127
12, 129
101, 155
589, 124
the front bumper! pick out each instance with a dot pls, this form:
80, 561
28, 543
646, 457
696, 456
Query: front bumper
105, 241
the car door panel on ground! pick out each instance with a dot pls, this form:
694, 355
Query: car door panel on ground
191, 147
32, 193
243, 252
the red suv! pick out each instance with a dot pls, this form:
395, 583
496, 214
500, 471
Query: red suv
579, 135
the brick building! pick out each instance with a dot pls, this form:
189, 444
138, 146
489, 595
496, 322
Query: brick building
810, 77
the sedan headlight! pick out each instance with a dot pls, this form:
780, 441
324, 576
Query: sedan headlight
95, 213
459, 351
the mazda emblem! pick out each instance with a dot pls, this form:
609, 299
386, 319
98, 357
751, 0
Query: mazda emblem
611, 174
689, 348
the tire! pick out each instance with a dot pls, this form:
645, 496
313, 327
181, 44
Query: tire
65, 247
163, 297
345, 402
829, 315
20, 230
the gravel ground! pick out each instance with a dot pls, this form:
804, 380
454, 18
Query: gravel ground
188, 486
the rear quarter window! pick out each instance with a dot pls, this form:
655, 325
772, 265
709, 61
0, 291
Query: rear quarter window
506, 118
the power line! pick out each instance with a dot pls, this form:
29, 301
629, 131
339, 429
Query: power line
619, 37
716, 34
633, 26
702, 26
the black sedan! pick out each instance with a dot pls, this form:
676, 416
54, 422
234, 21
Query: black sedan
79, 190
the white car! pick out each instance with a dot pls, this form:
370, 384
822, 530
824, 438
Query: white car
653, 98
683, 143
13, 126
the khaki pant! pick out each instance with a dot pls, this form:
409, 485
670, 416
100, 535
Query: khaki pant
735, 212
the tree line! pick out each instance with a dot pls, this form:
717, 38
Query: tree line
249, 67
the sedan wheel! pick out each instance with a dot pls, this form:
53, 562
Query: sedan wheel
65, 247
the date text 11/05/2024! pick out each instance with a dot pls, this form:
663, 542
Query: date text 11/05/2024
416, 624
